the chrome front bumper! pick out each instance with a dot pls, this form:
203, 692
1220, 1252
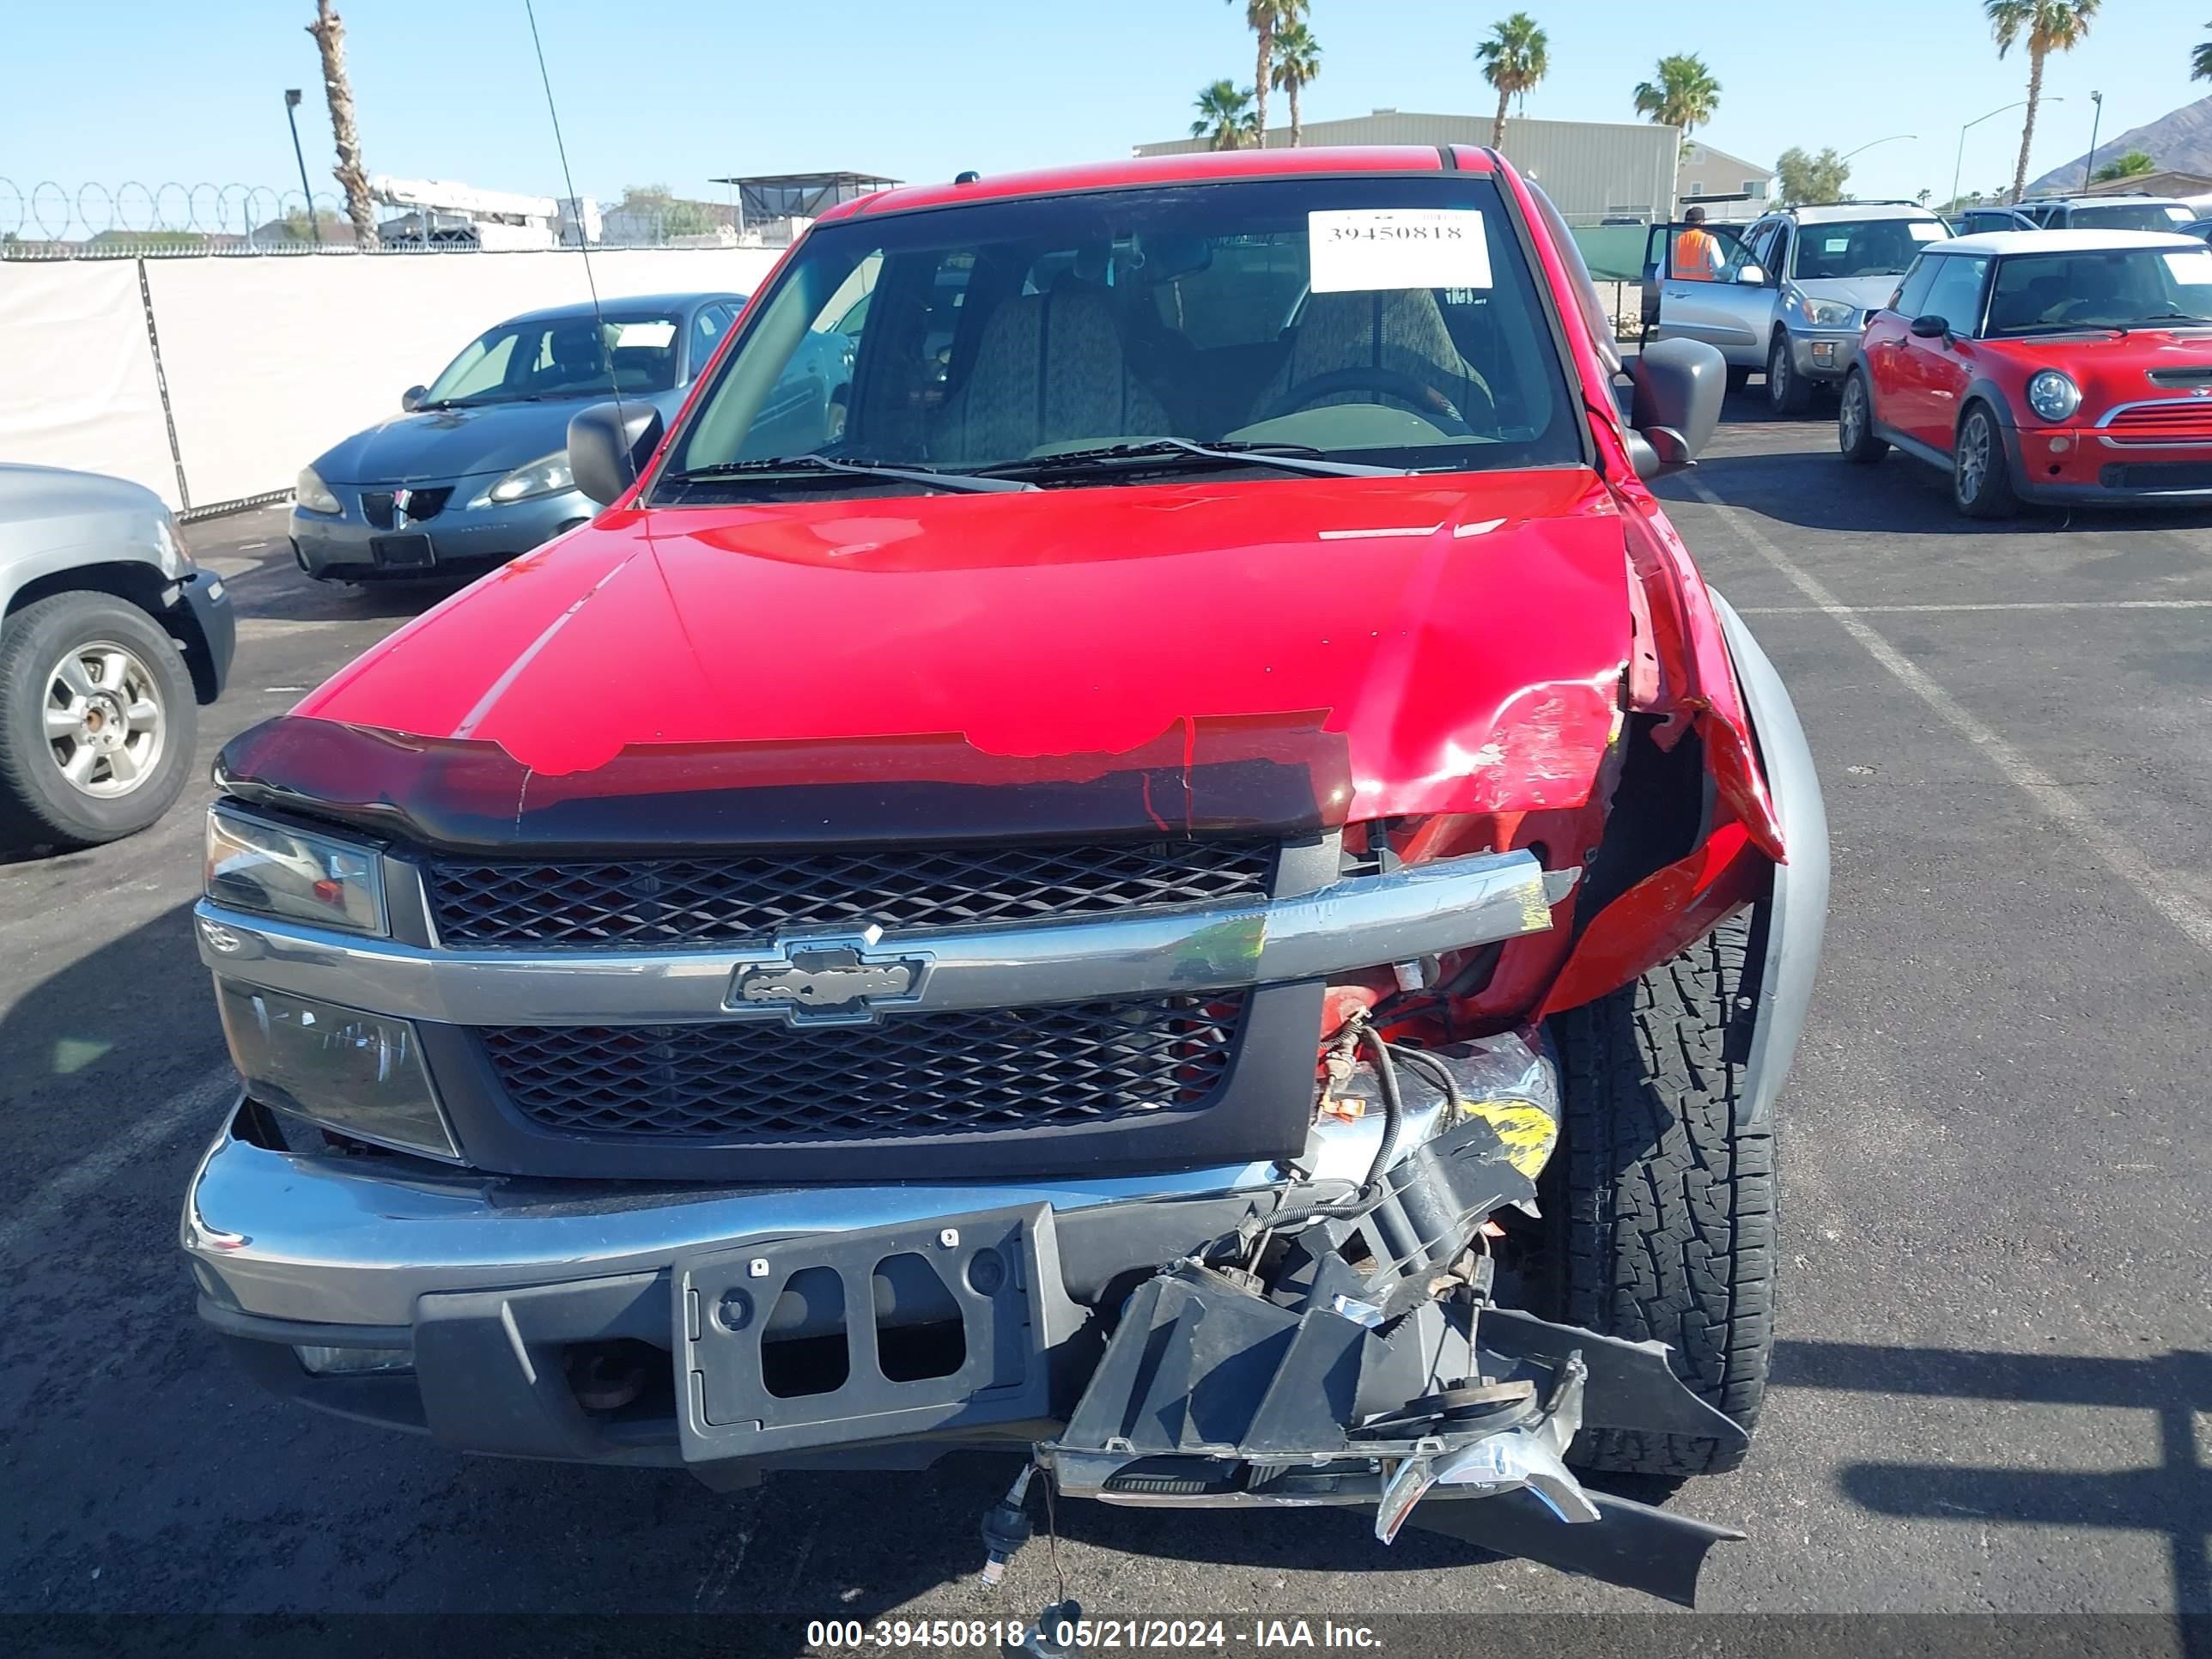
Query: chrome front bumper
1415, 911
277, 1236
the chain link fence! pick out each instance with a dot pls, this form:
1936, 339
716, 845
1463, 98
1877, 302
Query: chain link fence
136, 221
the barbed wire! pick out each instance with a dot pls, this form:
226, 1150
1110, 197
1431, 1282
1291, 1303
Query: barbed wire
134, 220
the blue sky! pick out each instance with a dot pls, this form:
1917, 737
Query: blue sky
675, 91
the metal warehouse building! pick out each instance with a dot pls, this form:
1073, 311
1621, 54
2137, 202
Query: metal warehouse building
1592, 170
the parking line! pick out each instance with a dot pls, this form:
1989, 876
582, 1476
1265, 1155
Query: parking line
2049, 796
2017, 604
170, 1118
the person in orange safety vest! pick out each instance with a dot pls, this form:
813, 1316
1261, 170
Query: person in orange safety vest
1697, 250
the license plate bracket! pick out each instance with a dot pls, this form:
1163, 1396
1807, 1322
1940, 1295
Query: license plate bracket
743, 1314
403, 552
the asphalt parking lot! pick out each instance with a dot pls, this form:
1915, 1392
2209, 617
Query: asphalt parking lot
1994, 1379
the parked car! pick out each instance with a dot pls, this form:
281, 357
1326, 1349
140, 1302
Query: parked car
2070, 366
2107, 212
1173, 893
1790, 294
110, 639
472, 470
1979, 221
2200, 228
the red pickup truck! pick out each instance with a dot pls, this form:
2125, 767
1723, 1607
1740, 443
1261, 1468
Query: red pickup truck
1195, 888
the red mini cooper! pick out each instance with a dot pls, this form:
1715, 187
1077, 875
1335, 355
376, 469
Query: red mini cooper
2070, 366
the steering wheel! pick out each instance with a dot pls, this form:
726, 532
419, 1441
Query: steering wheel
1429, 402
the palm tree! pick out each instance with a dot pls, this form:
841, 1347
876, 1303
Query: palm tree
1297, 64
1513, 59
2200, 61
2133, 165
1225, 115
329, 31
1267, 18
1685, 96
2047, 26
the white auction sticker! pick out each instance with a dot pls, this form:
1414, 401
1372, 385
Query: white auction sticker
2192, 266
1924, 230
1364, 248
1837, 243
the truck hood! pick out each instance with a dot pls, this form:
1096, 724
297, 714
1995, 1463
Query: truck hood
1462, 639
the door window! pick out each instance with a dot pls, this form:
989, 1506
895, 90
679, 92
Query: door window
1912, 293
1955, 295
1704, 253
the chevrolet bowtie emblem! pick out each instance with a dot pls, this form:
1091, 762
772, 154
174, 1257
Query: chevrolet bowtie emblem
827, 982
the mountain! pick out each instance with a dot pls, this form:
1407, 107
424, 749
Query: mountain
2181, 141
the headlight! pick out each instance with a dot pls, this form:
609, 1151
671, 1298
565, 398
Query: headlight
549, 476
309, 490
273, 870
360, 1074
1824, 314
2053, 395
176, 557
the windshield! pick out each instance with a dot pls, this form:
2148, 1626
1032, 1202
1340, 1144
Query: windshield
2119, 288
1388, 321
2130, 215
563, 357
1862, 247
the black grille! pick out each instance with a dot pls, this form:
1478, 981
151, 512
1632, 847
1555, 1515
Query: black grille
916, 1074
667, 901
377, 506
2158, 475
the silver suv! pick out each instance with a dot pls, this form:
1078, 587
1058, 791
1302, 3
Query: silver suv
2106, 212
1788, 294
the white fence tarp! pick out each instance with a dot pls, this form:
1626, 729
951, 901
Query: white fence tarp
78, 386
270, 361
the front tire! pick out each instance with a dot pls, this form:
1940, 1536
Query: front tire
1661, 1201
1855, 422
1981, 477
97, 722
1787, 392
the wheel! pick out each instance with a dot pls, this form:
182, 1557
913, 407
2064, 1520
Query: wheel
1855, 422
1981, 478
97, 722
1787, 392
1739, 377
1661, 1205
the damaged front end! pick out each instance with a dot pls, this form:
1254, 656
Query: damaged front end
1347, 1348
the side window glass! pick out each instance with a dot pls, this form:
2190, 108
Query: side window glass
1956, 293
707, 330
1912, 293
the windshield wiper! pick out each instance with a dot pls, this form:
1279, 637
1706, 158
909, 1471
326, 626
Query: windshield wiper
2174, 317
929, 478
1287, 457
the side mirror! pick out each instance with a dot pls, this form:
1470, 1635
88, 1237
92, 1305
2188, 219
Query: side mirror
1677, 404
1750, 276
608, 443
1930, 327
412, 399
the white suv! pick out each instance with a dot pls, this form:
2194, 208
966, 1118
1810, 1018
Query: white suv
1789, 292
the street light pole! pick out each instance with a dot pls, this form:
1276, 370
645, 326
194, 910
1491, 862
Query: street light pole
1958, 166
291, 106
1862, 148
2089, 162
